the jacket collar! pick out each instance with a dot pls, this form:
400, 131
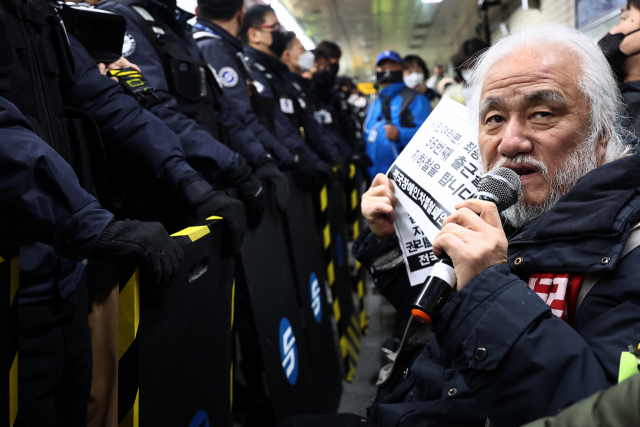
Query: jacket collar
226, 37
392, 89
276, 67
171, 15
589, 223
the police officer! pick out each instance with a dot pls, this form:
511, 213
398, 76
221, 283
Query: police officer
216, 31
42, 201
350, 129
56, 85
395, 116
159, 41
316, 90
265, 42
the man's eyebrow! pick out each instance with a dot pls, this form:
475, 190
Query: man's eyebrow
491, 103
544, 95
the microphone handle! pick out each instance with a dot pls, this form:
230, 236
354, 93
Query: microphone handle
436, 291
440, 286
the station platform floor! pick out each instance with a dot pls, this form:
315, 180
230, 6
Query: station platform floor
357, 395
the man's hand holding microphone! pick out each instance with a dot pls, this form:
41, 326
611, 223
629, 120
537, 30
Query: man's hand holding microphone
471, 239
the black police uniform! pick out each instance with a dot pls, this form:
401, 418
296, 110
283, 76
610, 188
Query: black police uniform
42, 200
53, 84
321, 109
160, 43
223, 52
349, 122
270, 77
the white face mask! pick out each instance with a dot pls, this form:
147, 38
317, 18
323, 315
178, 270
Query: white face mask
306, 60
414, 79
353, 98
360, 102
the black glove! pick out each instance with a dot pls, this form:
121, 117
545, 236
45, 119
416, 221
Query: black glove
269, 171
361, 160
233, 213
250, 192
306, 172
150, 246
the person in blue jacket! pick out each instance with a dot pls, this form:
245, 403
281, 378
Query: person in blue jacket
546, 303
196, 117
395, 116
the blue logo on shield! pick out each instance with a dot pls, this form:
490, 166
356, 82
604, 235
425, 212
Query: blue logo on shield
316, 301
288, 351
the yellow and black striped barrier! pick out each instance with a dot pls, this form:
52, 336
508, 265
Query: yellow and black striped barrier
356, 223
332, 213
128, 346
175, 359
9, 271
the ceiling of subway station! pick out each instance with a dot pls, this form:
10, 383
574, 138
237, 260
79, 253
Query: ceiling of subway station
364, 28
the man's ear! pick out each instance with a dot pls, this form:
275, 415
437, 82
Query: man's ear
196, 12
251, 35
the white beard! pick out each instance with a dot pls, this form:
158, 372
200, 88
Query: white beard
578, 163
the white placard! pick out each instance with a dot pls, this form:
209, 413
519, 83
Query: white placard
439, 168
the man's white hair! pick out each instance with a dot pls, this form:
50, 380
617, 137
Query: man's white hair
595, 79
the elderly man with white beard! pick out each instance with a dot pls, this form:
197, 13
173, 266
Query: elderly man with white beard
546, 298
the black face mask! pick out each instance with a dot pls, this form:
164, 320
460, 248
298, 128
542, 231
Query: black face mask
334, 69
610, 46
322, 79
389, 77
279, 43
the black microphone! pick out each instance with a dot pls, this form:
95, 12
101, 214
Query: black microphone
501, 186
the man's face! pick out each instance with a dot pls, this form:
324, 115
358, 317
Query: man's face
387, 64
262, 34
531, 105
320, 64
390, 65
292, 55
412, 67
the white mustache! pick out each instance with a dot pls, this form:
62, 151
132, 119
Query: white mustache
522, 159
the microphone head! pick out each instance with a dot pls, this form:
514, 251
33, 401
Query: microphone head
501, 186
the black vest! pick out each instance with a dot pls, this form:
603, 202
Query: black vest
296, 111
189, 78
36, 69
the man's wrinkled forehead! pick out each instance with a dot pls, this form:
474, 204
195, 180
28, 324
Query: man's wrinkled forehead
528, 76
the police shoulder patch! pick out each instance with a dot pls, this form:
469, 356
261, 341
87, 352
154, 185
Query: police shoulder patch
128, 45
228, 77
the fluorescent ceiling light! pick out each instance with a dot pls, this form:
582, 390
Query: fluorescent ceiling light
288, 21
431, 1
